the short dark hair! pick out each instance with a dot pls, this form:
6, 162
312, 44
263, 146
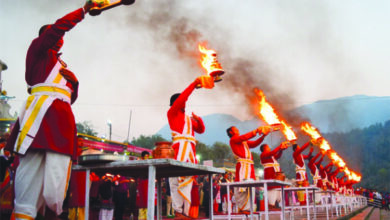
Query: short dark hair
295, 146
43, 28
144, 153
174, 97
228, 131
262, 147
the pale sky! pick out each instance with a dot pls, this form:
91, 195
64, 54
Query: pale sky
133, 58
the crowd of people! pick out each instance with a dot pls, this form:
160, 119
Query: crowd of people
376, 198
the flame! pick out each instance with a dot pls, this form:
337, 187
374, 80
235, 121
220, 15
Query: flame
266, 111
267, 114
208, 60
315, 134
352, 175
310, 130
288, 132
356, 177
346, 171
324, 145
336, 159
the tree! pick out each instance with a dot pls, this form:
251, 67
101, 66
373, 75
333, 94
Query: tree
86, 127
366, 151
203, 151
221, 151
147, 141
256, 160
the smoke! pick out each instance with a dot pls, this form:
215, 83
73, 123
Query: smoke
172, 29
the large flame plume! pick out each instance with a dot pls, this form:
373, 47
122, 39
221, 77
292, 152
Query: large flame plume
268, 115
325, 147
315, 135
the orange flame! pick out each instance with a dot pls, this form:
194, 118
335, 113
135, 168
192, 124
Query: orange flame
336, 159
288, 132
268, 115
356, 177
324, 145
266, 111
352, 175
310, 130
208, 60
315, 134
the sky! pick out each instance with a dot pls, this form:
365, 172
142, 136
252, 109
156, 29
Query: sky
131, 59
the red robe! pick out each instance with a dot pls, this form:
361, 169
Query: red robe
57, 131
77, 189
142, 193
333, 179
237, 144
324, 175
341, 183
314, 170
299, 161
271, 157
176, 118
349, 188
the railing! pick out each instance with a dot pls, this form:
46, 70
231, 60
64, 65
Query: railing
374, 202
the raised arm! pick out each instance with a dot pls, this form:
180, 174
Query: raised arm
303, 148
320, 160
244, 137
257, 142
263, 131
328, 167
312, 160
309, 154
335, 172
197, 124
55, 32
180, 102
275, 151
279, 154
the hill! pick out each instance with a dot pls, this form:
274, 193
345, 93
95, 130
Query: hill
335, 115
347, 113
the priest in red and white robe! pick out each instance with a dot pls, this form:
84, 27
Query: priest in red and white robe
241, 145
183, 129
45, 133
268, 159
300, 168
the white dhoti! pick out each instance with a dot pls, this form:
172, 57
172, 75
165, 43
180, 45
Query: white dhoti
181, 186
225, 205
41, 179
274, 195
181, 193
106, 214
318, 197
242, 197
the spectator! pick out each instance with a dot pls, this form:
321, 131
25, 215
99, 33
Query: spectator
105, 196
216, 194
94, 203
76, 198
206, 196
121, 194
194, 208
224, 196
142, 192
133, 199
170, 212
